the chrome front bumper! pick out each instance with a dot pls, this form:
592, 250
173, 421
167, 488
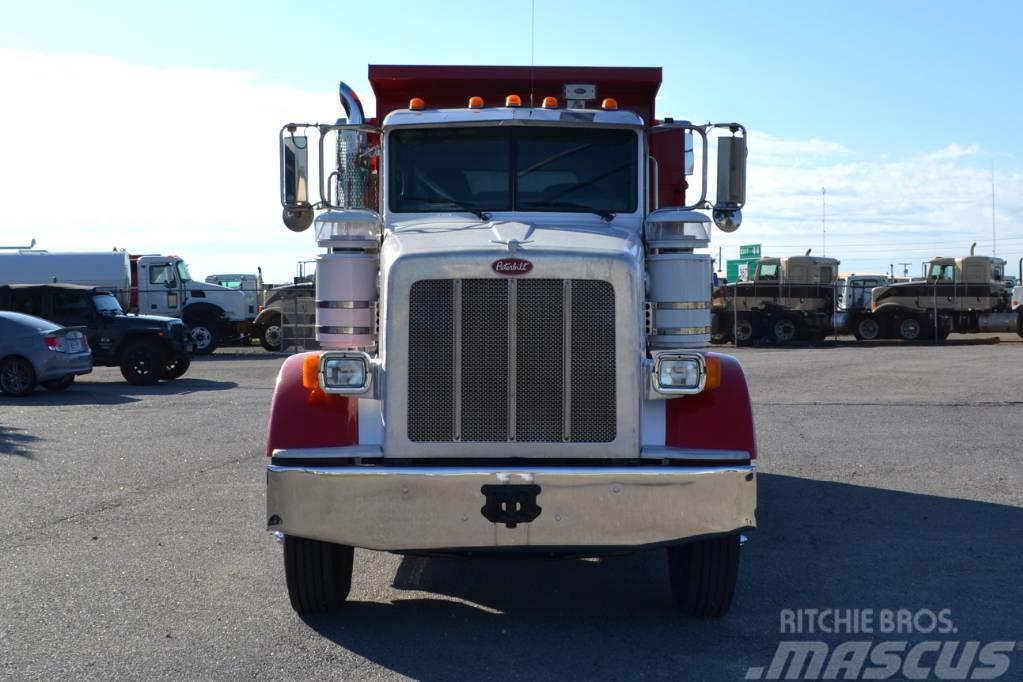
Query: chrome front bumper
439, 508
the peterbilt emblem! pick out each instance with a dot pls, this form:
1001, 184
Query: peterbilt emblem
511, 266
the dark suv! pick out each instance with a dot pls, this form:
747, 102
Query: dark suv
146, 348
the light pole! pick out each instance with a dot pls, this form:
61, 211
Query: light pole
824, 221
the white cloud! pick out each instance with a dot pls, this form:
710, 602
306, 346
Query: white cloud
879, 210
101, 154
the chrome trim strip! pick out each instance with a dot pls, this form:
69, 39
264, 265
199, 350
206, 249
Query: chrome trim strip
341, 330
456, 335
683, 305
513, 350
693, 454
566, 348
408, 508
681, 331
340, 452
345, 305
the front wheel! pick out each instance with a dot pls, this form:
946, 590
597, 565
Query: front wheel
910, 329
319, 574
272, 336
703, 575
17, 377
868, 329
176, 367
143, 363
745, 329
57, 385
203, 333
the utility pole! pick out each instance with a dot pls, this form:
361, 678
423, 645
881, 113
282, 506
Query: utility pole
824, 221
891, 270
994, 239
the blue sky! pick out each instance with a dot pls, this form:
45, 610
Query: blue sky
900, 108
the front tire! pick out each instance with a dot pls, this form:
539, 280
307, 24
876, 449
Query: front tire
272, 336
319, 574
703, 575
910, 329
203, 333
868, 329
745, 329
176, 367
57, 385
143, 363
17, 377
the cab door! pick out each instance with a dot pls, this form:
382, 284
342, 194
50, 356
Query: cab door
158, 287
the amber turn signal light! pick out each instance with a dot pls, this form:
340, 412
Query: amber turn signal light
713, 372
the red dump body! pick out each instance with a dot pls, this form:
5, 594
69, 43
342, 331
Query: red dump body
450, 87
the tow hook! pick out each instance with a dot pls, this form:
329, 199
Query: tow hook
511, 504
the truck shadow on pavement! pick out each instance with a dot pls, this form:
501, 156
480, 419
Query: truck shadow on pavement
16, 442
820, 545
85, 392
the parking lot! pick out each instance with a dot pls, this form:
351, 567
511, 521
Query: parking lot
134, 541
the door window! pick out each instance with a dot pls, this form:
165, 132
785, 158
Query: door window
71, 306
161, 274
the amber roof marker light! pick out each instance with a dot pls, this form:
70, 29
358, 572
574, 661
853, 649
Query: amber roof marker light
416, 104
475, 102
549, 103
513, 101
609, 103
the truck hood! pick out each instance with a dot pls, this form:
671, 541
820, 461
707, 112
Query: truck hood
507, 238
144, 321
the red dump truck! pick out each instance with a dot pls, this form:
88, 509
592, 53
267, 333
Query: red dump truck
513, 308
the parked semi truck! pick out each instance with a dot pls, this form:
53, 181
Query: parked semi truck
965, 295
144, 284
514, 307
788, 299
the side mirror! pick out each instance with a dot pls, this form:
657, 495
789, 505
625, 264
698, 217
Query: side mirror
298, 212
731, 183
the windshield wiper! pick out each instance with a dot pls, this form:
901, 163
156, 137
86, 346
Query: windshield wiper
478, 212
608, 216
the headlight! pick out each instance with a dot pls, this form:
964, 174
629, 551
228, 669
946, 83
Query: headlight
686, 373
345, 372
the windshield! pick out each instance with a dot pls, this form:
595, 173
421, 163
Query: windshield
945, 271
106, 304
183, 272
513, 169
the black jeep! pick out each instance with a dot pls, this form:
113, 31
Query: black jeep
147, 348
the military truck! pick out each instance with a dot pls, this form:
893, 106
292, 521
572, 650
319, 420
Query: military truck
789, 299
965, 294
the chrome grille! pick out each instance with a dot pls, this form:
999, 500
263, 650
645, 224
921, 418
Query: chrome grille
430, 361
504, 360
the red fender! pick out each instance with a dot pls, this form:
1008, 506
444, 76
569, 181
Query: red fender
718, 419
303, 418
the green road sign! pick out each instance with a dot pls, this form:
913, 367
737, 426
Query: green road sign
749, 251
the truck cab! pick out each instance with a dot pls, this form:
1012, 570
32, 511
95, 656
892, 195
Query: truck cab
514, 314
965, 294
163, 285
789, 299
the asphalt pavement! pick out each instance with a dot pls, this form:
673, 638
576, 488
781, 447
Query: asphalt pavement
133, 544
